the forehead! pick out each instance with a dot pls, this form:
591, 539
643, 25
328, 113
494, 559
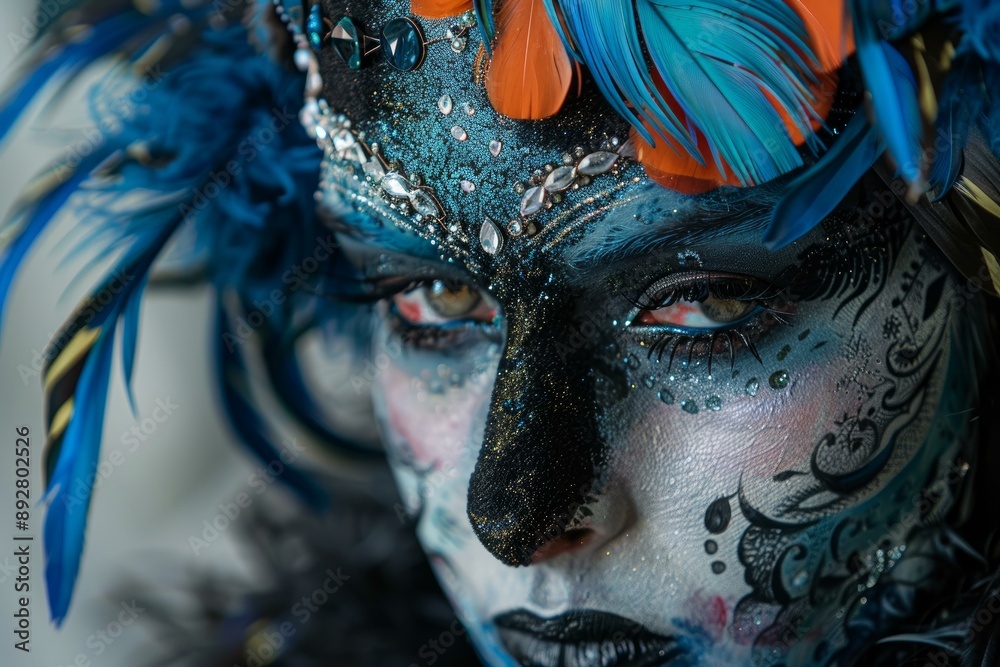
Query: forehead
420, 162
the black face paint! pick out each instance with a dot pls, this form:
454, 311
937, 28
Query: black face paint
543, 449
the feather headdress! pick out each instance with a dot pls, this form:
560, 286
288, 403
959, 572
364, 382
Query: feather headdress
724, 93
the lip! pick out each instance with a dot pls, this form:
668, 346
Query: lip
586, 638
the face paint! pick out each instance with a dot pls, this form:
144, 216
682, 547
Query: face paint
648, 440
756, 510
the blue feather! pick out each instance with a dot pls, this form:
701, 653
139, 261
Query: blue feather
217, 75
37, 220
607, 39
285, 375
66, 518
67, 61
237, 401
717, 59
961, 105
130, 337
814, 194
893, 89
989, 117
71, 485
485, 19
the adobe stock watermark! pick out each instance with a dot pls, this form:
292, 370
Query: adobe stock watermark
429, 485
432, 650
363, 381
266, 644
247, 150
101, 640
46, 12
130, 441
117, 282
110, 123
293, 279
229, 512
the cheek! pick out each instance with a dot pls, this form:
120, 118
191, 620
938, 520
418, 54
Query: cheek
435, 426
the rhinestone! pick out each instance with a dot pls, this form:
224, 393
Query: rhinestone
490, 237
459, 44
468, 186
374, 170
425, 204
403, 44
314, 27
302, 59
354, 154
495, 147
396, 186
469, 109
560, 179
346, 39
519, 188
445, 105
533, 201
597, 163
459, 133
343, 140
515, 228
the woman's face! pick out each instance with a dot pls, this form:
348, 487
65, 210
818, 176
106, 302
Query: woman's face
628, 433
686, 449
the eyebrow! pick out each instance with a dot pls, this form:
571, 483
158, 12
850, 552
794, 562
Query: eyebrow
703, 219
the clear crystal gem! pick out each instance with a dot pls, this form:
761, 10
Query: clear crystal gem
495, 147
343, 140
515, 228
425, 204
597, 163
374, 170
445, 104
459, 133
490, 237
560, 179
468, 186
396, 186
533, 201
469, 109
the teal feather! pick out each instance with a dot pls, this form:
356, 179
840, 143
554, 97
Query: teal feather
893, 89
716, 58
814, 194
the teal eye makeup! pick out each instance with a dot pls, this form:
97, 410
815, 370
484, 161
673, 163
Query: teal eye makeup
696, 315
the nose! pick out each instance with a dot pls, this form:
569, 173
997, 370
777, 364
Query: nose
543, 448
605, 520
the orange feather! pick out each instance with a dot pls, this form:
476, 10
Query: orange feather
439, 9
531, 73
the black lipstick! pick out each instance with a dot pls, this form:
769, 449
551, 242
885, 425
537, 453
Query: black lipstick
587, 638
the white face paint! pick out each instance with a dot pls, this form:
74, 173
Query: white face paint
747, 514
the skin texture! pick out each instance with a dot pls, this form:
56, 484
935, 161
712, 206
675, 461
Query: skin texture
751, 512
595, 434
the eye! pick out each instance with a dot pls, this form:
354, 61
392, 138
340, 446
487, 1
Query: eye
704, 314
712, 313
696, 302
443, 302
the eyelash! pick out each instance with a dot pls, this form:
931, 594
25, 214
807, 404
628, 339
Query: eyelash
433, 336
765, 297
